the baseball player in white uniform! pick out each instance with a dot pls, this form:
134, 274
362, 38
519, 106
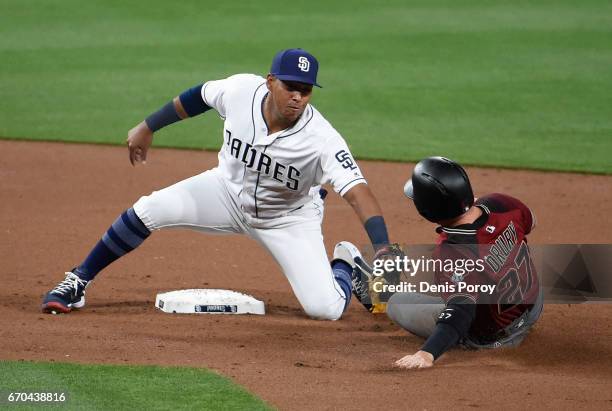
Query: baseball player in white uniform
277, 151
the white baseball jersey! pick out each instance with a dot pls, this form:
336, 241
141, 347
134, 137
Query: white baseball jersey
265, 186
273, 174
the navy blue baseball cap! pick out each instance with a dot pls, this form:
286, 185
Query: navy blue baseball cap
295, 65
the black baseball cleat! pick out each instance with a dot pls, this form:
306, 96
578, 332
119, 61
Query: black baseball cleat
361, 274
67, 295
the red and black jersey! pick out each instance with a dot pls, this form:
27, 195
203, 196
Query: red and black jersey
498, 239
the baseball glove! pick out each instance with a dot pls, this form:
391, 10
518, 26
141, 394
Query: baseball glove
367, 282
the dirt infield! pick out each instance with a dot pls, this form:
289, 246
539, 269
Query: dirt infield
57, 199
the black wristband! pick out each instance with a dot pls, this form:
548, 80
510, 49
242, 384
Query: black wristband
163, 117
377, 230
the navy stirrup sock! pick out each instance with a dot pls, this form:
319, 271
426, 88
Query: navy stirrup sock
342, 273
126, 233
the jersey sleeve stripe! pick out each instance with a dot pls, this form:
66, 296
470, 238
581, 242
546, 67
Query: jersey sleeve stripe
204, 94
485, 208
350, 185
533, 220
458, 231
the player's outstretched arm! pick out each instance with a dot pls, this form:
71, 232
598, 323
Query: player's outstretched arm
420, 359
189, 104
363, 202
453, 324
369, 212
139, 140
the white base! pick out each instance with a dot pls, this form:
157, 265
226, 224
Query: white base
208, 301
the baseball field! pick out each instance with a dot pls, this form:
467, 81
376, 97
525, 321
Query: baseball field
519, 92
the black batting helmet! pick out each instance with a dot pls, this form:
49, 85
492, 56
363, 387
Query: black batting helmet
440, 189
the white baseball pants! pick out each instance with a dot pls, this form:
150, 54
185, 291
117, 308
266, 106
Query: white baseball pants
204, 203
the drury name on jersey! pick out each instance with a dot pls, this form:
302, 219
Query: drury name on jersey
262, 163
501, 249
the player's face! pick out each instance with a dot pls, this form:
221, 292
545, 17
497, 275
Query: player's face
289, 98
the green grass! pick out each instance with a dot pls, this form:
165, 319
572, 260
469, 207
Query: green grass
105, 387
514, 84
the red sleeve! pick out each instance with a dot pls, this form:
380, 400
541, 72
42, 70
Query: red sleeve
502, 203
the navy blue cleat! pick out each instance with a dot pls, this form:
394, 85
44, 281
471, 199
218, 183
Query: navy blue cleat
67, 295
361, 275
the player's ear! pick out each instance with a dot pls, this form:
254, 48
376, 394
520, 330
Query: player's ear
269, 80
